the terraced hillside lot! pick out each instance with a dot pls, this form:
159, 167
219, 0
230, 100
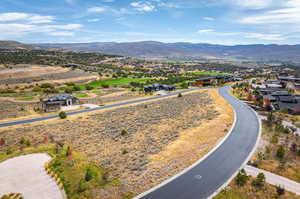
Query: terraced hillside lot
141, 145
14, 107
31, 74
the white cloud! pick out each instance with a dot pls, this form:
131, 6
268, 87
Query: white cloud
97, 9
27, 17
206, 30
252, 4
247, 35
93, 20
288, 13
60, 33
209, 18
143, 6
18, 30
269, 37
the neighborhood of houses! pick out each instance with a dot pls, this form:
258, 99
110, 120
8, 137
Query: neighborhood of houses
277, 94
55, 103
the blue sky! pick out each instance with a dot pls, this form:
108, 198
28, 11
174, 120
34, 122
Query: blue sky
199, 21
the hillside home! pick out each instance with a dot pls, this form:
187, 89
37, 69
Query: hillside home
56, 102
158, 87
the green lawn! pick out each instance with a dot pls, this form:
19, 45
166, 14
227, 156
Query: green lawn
204, 73
29, 98
96, 92
115, 82
81, 95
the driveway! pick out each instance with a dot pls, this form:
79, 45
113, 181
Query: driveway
26, 175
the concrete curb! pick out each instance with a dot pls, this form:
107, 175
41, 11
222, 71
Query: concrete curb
247, 159
193, 165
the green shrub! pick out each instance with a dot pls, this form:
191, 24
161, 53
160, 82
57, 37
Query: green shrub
62, 115
50, 90
124, 132
184, 85
68, 90
280, 153
22, 141
83, 186
242, 178
88, 87
105, 86
9, 151
124, 151
88, 175
76, 88
47, 85
274, 139
259, 180
70, 84
27, 143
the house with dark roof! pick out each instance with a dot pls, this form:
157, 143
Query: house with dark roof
56, 102
158, 87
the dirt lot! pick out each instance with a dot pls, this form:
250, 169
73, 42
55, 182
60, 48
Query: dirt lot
25, 74
141, 145
15, 109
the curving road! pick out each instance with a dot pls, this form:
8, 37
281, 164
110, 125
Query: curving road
209, 175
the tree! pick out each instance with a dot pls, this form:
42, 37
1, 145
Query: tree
270, 117
27, 143
280, 152
241, 178
88, 175
280, 190
88, 87
22, 141
124, 132
259, 180
62, 115
69, 152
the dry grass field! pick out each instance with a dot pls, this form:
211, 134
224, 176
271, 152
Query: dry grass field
141, 145
266, 158
22, 75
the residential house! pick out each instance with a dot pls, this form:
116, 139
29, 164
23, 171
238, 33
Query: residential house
55, 103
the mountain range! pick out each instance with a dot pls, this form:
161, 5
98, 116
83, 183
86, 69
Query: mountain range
153, 49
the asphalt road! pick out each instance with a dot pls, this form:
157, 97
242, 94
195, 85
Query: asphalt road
26, 121
216, 169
